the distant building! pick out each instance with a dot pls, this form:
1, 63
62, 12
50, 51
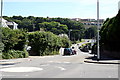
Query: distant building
75, 19
89, 22
11, 25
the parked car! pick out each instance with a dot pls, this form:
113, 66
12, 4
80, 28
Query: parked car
67, 51
74, 51
84, 48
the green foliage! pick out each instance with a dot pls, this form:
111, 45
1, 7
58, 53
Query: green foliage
55, 25
13, 42
110, 36
13, 39
91, 32
45, 43
11, 54
0, 56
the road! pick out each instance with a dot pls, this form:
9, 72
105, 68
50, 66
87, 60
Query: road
59, 67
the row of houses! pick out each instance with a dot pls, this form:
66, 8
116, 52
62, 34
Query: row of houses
8, 24
89, 22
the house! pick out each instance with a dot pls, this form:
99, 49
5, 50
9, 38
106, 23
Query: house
8, 24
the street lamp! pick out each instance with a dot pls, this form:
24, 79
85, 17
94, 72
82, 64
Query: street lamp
98, 47
1, 19
69, 35
1, 13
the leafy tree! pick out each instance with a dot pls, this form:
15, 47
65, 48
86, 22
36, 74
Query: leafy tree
46, 43
13, 39
110, 36
91, 32
55, 25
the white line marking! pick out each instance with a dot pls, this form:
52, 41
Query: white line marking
7, 66
66, 62
63, 69
21, 69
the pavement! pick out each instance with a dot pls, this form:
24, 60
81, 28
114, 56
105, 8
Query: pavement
12, 61
87, 60
19, 60
103, 60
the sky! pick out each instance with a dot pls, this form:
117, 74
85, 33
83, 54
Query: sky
61, 8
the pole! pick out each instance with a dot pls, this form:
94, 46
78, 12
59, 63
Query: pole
0, 29
1, 13
69, 38
98, 51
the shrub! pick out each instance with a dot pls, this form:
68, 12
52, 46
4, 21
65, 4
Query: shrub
46, 43
11, 54
13, 42
13, 39
110, 36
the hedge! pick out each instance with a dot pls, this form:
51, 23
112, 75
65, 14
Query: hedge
13, 43
46, 43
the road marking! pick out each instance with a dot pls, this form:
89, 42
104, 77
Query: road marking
63, 69
45, 65
67, 62
55, 62
21, 69
15, 75
7, 66
58, 62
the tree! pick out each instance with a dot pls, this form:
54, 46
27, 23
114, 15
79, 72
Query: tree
91, 32
110, 36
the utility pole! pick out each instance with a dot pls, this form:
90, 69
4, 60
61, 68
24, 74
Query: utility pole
69, 35
1, 13
98, 46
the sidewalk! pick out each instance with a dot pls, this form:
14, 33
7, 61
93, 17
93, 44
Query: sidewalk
19, 60
103, 60
11, 61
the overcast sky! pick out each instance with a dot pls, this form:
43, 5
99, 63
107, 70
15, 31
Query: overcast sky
61, 8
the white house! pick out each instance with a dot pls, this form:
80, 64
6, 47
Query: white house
4, 22
11, 25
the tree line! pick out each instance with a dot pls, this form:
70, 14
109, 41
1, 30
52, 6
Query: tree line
14, 43
54, 25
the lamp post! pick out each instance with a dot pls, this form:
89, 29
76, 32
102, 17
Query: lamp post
1, 13
69, 35
98, 47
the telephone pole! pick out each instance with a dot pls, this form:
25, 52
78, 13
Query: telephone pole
98, 45
1, 13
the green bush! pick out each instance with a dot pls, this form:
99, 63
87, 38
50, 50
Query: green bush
13, 39
46, 43
11, 54
109, 33
13, 42
0, 56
